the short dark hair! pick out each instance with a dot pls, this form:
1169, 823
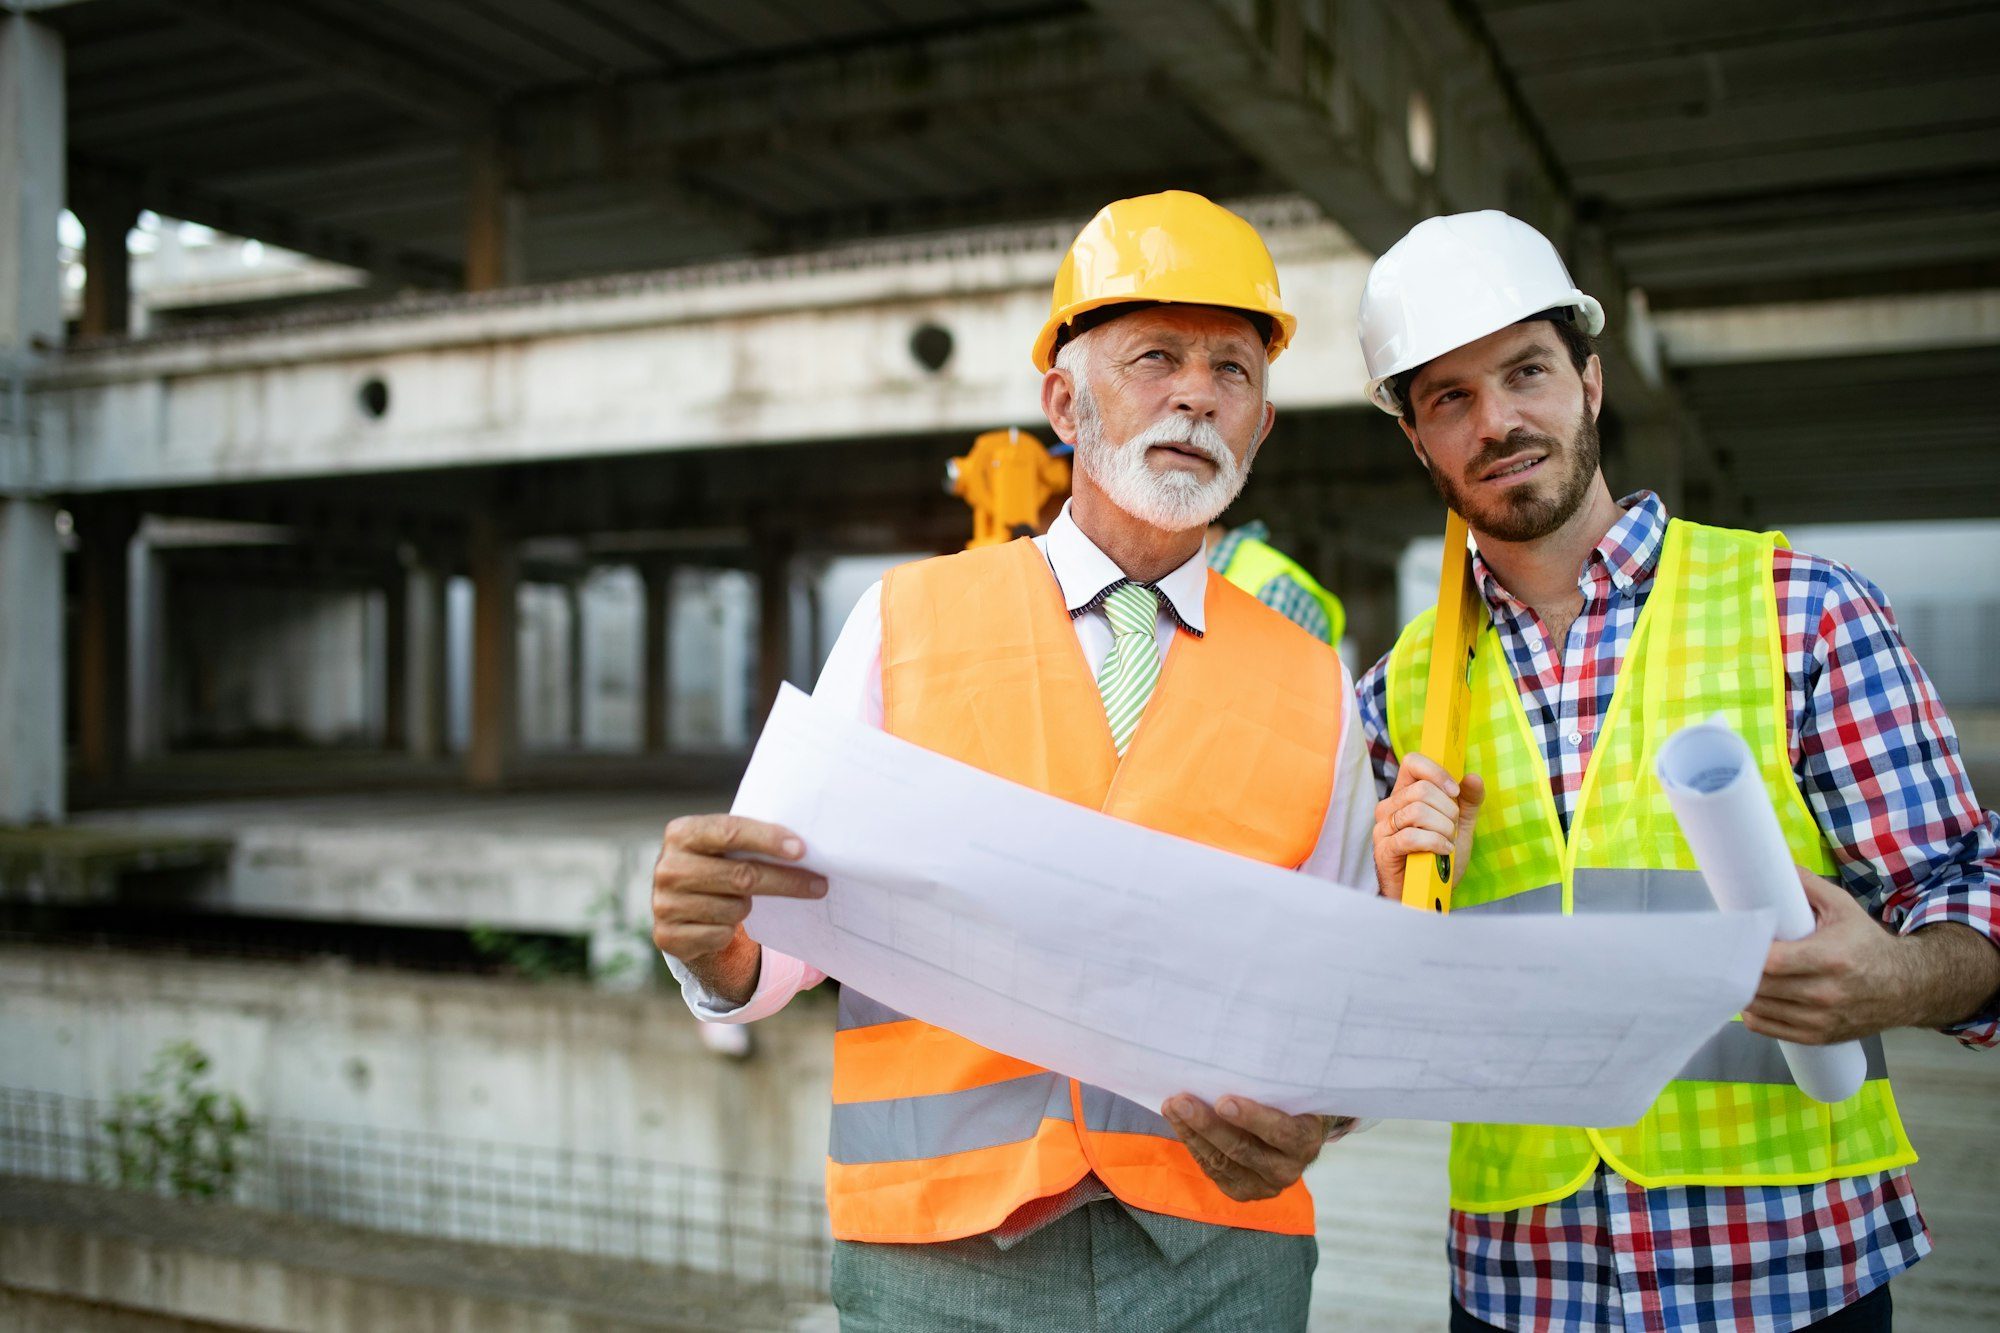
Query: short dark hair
1580, 346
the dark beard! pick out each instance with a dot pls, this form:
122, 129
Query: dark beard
1531, 512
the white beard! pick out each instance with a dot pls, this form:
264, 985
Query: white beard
1172, 500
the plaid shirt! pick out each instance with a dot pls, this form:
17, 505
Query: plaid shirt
1878, 763
1281, 592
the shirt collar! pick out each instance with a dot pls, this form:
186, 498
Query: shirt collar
1630, 552
1085, 574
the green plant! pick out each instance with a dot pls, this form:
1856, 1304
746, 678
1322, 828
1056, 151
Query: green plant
537, 959
175, 1133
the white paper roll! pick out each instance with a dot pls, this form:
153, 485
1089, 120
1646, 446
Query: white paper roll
1712, 783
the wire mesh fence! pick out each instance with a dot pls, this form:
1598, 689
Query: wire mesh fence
748, 1229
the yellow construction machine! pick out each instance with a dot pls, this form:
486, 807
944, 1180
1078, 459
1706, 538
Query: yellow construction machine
1011, 480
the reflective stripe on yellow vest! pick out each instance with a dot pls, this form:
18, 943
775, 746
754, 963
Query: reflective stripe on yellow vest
936, 1137
1253, 564
1707, 642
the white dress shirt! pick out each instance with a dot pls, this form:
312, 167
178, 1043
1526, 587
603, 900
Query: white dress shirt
852, 678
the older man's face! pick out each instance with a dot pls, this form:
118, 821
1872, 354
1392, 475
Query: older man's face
1170, 409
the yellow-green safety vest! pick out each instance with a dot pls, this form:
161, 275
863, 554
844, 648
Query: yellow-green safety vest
1255, 563
1708, 641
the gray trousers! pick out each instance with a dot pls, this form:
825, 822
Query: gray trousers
1099, 1268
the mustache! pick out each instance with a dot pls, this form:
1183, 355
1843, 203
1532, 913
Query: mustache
1517, 439
1189, 433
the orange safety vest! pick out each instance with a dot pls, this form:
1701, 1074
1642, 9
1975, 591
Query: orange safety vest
935, 1137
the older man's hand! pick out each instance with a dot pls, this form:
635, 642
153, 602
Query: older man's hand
1250, 1151
709, 869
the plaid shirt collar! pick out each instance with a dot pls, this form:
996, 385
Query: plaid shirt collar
1629, 553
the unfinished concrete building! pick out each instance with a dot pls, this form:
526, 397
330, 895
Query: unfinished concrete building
372, 617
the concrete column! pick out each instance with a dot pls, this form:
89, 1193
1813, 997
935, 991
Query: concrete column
103, 645
396, 661
430, 712
146, 578
32, 120
493, 211
496, 704
31, 664
574, 682
774, 620
107, 266
1654, 458
657, 622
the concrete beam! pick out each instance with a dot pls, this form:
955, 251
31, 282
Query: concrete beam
1799, 330
178, 198
1333, 99
813, 346
429, 92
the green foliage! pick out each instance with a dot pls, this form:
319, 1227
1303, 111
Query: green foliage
536, 959
543, 959
175, 1133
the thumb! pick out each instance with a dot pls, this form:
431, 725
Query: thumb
1471, 793
1824, 897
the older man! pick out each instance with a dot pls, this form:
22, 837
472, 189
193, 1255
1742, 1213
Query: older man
1105, 664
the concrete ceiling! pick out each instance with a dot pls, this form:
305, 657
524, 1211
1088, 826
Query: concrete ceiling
1711, 153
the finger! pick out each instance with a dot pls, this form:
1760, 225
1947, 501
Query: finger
1419, 842
1419, 768
1293, 1135
1217, 1165
1808, 990
703, 909
733, 835
1795, 958
1829, 901
683, 872
1249, 1152
691, 942
1806, 1027
1425, 795
1422, 814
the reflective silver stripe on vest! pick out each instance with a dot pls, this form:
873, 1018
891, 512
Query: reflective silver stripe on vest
1735, 1054
858, 1011
1642, 891
1599, 890
909, 1129
1545, 901
1108, 1113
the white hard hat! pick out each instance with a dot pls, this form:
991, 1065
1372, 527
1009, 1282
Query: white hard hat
1452, 281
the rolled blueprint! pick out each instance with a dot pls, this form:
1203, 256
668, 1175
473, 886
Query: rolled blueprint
1712, 782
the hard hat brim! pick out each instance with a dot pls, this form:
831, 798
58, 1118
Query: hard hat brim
1283, 324
1590, 316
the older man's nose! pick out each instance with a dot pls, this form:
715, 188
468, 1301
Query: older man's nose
1195, 392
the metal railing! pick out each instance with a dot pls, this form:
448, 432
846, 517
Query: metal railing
748, 1229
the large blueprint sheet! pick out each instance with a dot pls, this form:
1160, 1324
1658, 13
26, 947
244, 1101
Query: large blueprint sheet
1151, 965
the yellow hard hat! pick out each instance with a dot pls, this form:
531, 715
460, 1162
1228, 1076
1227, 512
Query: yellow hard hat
1173, 246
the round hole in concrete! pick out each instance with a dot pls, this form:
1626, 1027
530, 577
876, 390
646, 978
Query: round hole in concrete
931, 345
374, 397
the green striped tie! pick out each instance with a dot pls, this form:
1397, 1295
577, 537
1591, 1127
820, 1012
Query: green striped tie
1133, 666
